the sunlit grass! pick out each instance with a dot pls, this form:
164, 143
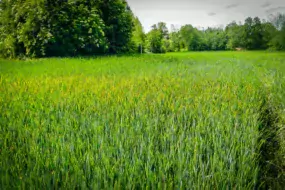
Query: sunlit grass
181, 120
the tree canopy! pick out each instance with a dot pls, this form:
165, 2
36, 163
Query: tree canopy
254, 34
37, 28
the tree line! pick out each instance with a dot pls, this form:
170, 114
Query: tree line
44, 28
254, 34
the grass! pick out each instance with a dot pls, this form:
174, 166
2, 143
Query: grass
180, 120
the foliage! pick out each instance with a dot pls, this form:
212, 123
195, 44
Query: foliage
154, 41
234, 34
191, 38
161, 26
64, 28
118, 19
158, 39
252, 35
215, 39
175, 41
269, 34
77, 29
44, 28
138, 36
278, 40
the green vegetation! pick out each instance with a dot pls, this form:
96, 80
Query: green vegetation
180, 120
48, 28
253, 34
41, 28
173, 121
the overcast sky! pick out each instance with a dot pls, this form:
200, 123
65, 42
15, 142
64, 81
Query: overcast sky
202, 13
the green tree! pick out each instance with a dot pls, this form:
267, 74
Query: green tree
158, 39
138, 36
20, 26
234, 33
175, 41
36, 28
154, 41
118, 19
163, 29
76, 27
47, 28
161, 26
278, 40
257, 34
167, 45
215, 39
191, 38
253, 34
248, 33
268, 31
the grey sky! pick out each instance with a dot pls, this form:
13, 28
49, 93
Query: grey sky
202, 13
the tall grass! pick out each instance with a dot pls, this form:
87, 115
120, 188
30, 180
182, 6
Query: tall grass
192, 121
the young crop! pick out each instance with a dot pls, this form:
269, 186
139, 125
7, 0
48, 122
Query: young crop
174, 121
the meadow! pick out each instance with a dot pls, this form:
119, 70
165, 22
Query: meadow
208, 120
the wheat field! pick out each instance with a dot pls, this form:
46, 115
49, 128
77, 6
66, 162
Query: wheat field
209, 120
